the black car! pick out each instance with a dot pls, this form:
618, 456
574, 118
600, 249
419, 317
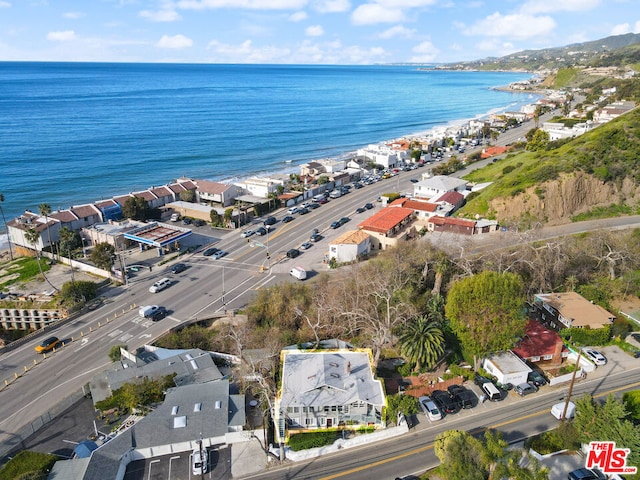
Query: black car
445, 402
536, 378
344, 220
178, 267
287, 219
186, 221
198, 223
360, 209
303, 211
293, 253
261, 231
210, 251
313, 205
465, 398
159, 314
414, 180
315, 237
369, 206
335, 225
270, 221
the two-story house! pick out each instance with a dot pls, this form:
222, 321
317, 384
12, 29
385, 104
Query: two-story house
570, 310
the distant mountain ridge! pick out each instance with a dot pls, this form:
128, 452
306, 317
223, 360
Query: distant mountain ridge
590, 53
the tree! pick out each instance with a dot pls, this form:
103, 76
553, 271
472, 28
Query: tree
136, 208
461, 456
78, 291
114, 352
4, 220
215, 217
187, 196
69, 240
228, 216
322, 179
485, 312
103, 256
422, 342
45, 209
539, 141
33, 237
406, 404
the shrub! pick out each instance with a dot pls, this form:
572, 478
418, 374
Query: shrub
32, 465
304, 441
586, 336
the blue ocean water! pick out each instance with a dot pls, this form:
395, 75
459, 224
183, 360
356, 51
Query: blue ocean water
73, 133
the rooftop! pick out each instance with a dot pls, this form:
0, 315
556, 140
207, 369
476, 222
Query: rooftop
386, 219
352, 237
580, 311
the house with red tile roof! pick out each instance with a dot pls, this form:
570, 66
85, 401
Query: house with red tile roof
541, 345
222, 194
452, 199
389, 225
493, 151
350, 246
452, 225
422, 208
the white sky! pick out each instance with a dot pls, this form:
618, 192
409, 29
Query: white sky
301, 31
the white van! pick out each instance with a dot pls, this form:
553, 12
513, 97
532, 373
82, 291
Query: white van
147, 310
299, 273
558, 408
491, 391
160, 285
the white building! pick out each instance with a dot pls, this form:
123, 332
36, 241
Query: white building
261, 187
380, 154
507, 367
348, 246
437, 185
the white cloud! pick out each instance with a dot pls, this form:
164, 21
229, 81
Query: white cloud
175, 41
636, 27
371, 13
621, 29
548, 6
397, 31
242, 4
424, 52
4, 4
63, 36
405, 3
314, 31
166, 15
73, 15
331, 6
298, 16
515, 26
246, 52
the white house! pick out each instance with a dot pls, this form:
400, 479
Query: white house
261, 187
380, 154
438, 185
349, 245
215, 192
507, 367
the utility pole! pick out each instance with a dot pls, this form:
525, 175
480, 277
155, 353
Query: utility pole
573, 379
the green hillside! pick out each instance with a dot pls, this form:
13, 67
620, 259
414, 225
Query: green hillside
610, 153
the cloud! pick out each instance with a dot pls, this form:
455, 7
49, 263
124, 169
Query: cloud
298, 16
73, 15
331, 6
314, 31
372, 13
424, 52
246, 52
175, 41
406, 3
397, 31
63, 36
623, 28
242, 4
4, 4
516, 26
549, 6
166, 15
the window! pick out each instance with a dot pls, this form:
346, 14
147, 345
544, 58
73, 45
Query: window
309, 422
289, 409
296, 409
334, 408
197, 407
547, 357
323, 421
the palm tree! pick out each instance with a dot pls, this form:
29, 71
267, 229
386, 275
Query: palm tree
45, 209
422, 342
4, 220
32, 236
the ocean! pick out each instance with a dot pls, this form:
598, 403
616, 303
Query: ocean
73, 133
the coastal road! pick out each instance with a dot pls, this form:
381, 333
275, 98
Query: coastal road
411, 454
206, 287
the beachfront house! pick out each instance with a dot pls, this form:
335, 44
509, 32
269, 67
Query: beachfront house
261, 187
380, 155
222, 194
327, 388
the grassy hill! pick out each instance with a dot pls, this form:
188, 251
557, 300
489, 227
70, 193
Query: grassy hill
598, 171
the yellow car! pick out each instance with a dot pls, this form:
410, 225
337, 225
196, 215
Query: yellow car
48, 345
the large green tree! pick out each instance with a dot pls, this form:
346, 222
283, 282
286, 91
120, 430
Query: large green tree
69, 241
461, 456
136, 208
33, 237
422, 342
103, 255
485, 312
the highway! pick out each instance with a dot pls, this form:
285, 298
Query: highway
45, 380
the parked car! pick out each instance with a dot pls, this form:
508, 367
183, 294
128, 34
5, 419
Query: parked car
270, 221
261, 231
287, 219
523, 389
313, 205
303, 211
361, 210
186, 221
536, 378
335, 225
323, 200
210, 251
198, 223
178, 267
199, 461
429, 408
444, 401
315, 237
247, 233
344, 220
368, 206
219, 254
293, 253
174, 217
292, 210
306, 246
586, 474
48, 344
595, 356
465, 398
